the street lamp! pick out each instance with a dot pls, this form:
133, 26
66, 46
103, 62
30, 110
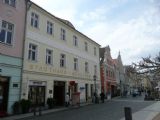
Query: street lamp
95, 89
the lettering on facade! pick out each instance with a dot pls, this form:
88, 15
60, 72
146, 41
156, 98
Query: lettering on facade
57, 71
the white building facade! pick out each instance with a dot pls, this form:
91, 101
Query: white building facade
56, 56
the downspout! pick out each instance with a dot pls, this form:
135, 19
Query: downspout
27, 7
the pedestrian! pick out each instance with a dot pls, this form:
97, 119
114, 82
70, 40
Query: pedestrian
67, 100
102, 97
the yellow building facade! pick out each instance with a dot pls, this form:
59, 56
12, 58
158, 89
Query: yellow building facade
56, 55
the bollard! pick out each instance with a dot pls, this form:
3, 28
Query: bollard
128, 113
34, 111
40, 111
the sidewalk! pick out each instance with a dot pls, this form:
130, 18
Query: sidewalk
21, 116
151, 112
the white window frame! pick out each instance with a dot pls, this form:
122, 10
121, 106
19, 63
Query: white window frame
34, 19
86, 67
31, 50
86, 46
75, 41
95, 69
62, 60
7, 27
95, 51
49, 57
76, 64
63, 34
10, 2
50, 28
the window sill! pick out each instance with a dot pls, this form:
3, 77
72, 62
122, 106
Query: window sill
5, 44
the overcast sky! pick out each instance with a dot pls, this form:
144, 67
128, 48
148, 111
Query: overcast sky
129, 26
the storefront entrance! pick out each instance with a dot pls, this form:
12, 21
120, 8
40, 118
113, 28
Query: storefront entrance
4, 89
59, 93
37, 93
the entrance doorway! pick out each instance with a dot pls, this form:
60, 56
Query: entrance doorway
37, 95
86, 91
59, 93
4, 89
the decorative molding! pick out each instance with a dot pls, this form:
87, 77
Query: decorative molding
52, 43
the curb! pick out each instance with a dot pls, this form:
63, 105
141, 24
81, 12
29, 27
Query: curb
28, 115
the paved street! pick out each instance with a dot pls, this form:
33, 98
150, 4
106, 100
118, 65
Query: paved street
110, 110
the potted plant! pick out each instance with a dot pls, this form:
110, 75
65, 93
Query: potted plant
16, 107
25, 105
50, 103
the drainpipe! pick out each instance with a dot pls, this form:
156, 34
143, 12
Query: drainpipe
27, 7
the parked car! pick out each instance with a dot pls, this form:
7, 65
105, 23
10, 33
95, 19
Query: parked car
135, 92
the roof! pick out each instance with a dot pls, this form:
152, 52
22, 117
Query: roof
66, 22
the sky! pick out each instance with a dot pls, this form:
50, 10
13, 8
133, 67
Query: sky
129, 26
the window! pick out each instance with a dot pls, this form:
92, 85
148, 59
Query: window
49, 56
32, 54
86, 46
63, 34
34, 20
63, 60
107, 74
86, 67
95, 69
75, 64
95, 51
49, 28
11, 2
75, 41
6, 33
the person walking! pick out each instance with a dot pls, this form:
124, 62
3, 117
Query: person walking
102, 97
67, 100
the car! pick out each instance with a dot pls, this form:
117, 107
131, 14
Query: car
135, 92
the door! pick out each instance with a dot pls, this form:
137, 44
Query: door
59, 93
4, 88
37, 95
86, 91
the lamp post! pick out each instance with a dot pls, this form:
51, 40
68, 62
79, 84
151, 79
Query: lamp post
95, 89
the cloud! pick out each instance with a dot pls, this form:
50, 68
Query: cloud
138, 36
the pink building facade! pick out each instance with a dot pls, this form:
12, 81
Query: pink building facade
112, 73
12, 31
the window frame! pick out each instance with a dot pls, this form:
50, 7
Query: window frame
63, 34
50, 28
10, 3
75, 41
30, 52
95, 51
49, 56
34, 19
86, 46
95, 69
86, 67
62, 60
6, 26
75, 64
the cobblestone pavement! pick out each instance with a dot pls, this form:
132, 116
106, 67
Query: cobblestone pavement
110, 110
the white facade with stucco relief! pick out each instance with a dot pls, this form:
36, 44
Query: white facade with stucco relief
41, 74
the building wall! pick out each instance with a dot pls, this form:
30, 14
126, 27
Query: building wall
11, 68
38, 70
11, 54
16, 16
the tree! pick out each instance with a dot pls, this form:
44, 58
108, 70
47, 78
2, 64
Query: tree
148, 65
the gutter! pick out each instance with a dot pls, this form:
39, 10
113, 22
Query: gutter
27, 7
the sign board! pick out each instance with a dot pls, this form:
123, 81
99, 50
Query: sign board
37, 83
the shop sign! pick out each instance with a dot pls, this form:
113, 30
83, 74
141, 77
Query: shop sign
82, 88
72, 83
37, 83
